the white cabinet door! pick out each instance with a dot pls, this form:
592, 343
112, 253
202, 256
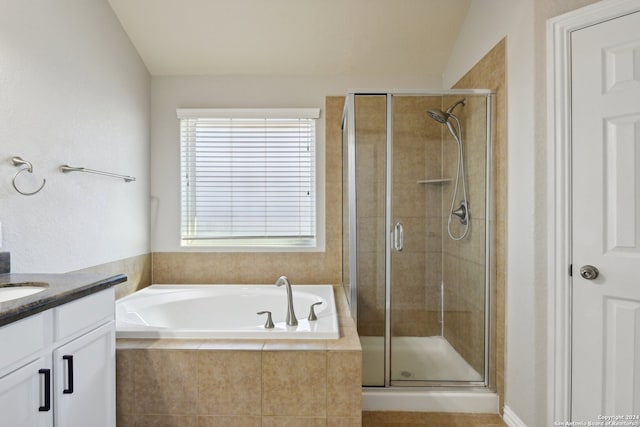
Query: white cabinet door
84, 380
25, 396
606, 218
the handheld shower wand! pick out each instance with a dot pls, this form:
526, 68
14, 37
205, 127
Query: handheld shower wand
462, 212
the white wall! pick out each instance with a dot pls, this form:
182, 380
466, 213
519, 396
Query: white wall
169, 93
523, 22
484, 27
72, 91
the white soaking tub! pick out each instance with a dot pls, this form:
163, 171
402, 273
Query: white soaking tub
225, 311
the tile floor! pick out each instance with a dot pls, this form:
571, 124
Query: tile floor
421, 419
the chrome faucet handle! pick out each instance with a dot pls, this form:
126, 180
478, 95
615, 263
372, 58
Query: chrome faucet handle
312, 313
269, 323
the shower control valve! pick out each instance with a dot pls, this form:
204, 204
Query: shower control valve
462, 212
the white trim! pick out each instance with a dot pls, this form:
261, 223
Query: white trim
471, 402
511, 419
559, 31
248, 113
419, 92
314, 241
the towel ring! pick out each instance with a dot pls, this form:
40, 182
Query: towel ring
19, 161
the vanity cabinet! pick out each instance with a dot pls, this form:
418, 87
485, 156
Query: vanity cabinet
84, 380
22, 400
59, 366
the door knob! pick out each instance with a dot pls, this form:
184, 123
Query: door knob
589, 272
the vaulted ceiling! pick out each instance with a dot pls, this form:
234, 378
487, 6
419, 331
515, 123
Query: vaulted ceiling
292, 37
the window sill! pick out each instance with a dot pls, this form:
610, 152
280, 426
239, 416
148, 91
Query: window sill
231, 245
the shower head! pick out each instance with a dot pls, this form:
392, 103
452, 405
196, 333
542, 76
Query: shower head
448, 118
439, 115
443, 116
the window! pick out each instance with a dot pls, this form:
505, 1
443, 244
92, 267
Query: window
248, 177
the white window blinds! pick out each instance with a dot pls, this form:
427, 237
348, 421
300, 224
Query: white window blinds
248, 177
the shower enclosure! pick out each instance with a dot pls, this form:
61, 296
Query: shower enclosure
417, 235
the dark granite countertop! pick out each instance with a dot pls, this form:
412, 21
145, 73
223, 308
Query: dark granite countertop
60, 289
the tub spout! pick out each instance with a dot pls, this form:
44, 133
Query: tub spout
291, 315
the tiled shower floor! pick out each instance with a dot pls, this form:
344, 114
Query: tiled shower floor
414, 358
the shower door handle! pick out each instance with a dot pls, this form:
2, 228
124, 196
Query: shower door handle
398, 237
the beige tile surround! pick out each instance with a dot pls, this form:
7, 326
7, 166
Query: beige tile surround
241, 382
245, 383
258, 267
463, 261
490, 73
137, 269
416, 272
142, 398
426, 419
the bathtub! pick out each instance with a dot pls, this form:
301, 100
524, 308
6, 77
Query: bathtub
225, 311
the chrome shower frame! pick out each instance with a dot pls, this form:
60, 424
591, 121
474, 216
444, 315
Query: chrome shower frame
349, 120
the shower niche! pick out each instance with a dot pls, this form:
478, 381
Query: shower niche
417, 235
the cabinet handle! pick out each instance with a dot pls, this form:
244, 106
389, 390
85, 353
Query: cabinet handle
47, 390
69, 389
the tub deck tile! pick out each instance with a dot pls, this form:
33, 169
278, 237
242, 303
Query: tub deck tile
237, 382
344, 379
165, 382
293, 422
229, 421
234, 345
294, 383
295, 345
159, 421
229, 382
344, 422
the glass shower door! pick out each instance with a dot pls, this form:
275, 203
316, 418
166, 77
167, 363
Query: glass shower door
370, 185
437, 291
419, 293
416, 249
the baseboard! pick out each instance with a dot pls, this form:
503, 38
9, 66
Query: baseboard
511, 419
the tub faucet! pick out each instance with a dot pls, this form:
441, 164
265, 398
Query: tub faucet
291, 315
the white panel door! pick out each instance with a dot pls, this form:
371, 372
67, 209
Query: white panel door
606, 218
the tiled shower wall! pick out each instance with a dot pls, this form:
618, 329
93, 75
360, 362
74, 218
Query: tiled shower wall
422, 208
462, 320
416, 271
461, 265
463, 271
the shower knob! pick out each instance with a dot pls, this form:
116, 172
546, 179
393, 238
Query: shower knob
462, 212
589, 272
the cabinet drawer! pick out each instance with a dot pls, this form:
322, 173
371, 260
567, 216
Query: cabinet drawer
23, 338
84, 314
